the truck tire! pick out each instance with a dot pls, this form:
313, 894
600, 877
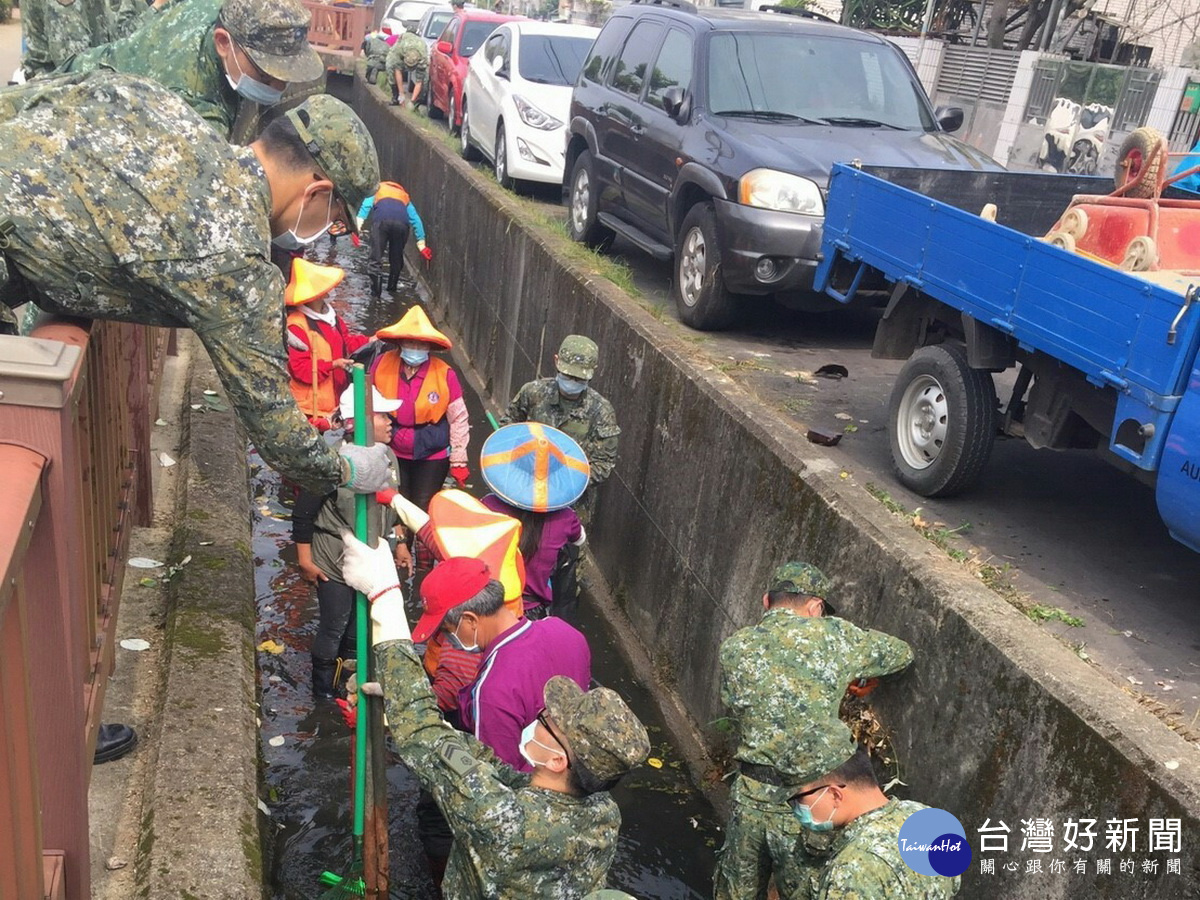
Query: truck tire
582, 224
698, 287
1139, 151
942, 417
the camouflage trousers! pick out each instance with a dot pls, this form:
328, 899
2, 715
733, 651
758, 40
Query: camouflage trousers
763, 839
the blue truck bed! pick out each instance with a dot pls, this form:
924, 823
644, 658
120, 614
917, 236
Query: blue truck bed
1110, 325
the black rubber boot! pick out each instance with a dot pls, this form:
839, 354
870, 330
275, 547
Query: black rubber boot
376, 285
393, 278
323, 671
346, 663
113, 742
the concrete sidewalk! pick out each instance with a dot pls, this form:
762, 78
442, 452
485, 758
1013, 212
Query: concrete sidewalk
178, 817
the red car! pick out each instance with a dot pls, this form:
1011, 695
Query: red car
450, 56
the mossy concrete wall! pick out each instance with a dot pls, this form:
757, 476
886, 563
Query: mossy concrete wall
996, 720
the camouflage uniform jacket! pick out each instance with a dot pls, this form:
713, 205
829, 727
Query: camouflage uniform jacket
783, 681
54, 33
176, 49
128, 206
865, 861
512, 841
590, 420
409, 53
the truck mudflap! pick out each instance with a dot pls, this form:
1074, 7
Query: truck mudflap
1178, 488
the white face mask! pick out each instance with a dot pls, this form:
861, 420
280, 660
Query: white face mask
527, 738
251, 88
289, 240
458, 642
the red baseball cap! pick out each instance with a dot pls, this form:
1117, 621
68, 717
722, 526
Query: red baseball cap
452, 581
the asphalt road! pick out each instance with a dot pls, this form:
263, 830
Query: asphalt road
1068, 531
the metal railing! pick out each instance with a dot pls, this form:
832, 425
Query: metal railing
76, 405
338, 29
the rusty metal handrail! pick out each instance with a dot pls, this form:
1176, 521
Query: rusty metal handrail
80, 398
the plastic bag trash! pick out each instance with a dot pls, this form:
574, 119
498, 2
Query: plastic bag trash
165, 461
135, 644
274, 679
845, 417
144, 562
263, 808
210, 393
160, 421
277, 741
271, 647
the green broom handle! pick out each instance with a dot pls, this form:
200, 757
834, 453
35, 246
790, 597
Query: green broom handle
362, 438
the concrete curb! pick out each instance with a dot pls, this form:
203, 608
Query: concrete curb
995, 720
200, 838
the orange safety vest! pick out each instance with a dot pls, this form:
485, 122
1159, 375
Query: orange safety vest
314, 399
390, 190
434, 398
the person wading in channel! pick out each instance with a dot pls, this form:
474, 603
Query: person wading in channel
549, 834
783, 681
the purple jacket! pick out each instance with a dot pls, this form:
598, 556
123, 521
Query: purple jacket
561, 527
507, 694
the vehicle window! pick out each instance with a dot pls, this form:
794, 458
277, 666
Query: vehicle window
610, 39
436, 23
673, 68
493, 47
629, 72
451, 30
474, 34
552, 59
815, 78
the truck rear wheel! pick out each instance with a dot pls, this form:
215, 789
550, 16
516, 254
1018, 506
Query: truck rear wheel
943, 421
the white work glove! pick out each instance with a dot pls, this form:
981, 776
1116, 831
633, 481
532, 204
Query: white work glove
367, 468
388, 619
369, 570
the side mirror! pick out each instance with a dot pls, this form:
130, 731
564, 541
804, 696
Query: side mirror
949, 118
497, 64
672, 101
445, 47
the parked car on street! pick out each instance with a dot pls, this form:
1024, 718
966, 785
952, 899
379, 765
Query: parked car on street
707, 136
405, 13
433, 23
517, 98
450, 56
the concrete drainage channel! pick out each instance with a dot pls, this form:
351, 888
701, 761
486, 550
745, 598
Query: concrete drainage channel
996, 722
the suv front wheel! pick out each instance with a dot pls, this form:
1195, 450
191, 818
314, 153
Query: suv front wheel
698, 288
581, 205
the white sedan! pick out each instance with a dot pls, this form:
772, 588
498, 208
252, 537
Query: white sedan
518, 96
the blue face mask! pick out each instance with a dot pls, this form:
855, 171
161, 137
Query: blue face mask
253, 90
527, 737
289, 240
804, 815
414, 357
570, 387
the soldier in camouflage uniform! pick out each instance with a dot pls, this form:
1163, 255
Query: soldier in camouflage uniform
408, 60
54, 30
783, 681
214, 53
375, 47
570, 404
117, 201
551, 834
864, 861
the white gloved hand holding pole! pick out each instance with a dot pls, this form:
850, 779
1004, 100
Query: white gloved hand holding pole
372, 571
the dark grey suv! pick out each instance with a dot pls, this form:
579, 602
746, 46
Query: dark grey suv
707, 136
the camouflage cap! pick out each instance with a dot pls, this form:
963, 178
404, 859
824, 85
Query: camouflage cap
274, 34
341, 145
601, 730
578, 356
800, 578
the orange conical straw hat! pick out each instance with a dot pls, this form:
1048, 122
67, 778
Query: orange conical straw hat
465, 527
311, 282
414, 325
